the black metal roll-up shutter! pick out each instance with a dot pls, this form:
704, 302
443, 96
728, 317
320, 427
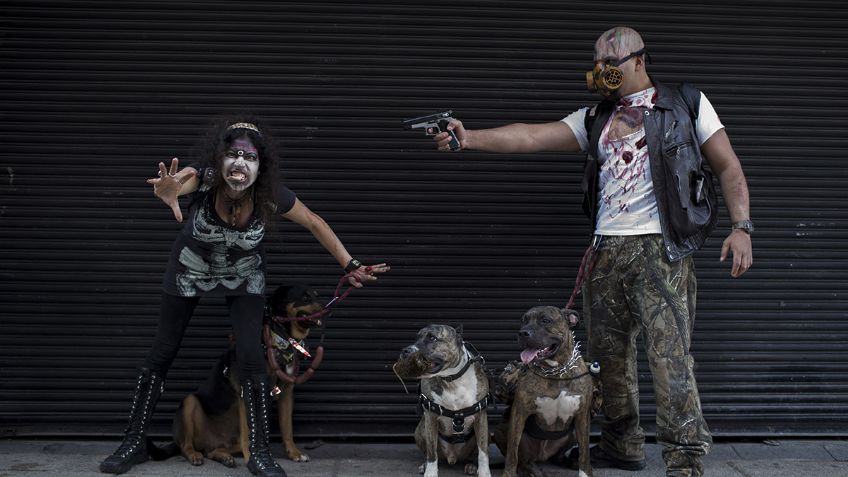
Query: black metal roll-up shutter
95, 93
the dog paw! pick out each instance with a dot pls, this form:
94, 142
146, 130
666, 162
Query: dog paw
224, 458
431, 469
531, 470
484, 472
195, 458
299, 457
470, 468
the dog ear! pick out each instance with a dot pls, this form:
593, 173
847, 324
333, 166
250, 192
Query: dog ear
279, 298
458, 329
571, 316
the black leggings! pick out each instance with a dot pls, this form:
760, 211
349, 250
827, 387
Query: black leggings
174, 315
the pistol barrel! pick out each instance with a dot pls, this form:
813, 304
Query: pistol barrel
422, 121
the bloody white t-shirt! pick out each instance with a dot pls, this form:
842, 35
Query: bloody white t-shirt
626, 201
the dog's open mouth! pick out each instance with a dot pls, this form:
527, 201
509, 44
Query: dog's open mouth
311, 316
531, 354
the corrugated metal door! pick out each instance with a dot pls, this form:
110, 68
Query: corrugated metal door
95, 93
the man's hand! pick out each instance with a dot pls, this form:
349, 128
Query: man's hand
738, 242
365, 273
443, 138
168, 185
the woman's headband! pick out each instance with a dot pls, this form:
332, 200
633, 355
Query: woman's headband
250, 126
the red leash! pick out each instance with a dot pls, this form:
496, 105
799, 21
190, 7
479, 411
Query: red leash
337, 298
586, 266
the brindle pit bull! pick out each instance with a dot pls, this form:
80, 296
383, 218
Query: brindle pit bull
551, 395
454, 396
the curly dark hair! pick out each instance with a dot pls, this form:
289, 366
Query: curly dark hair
218, 138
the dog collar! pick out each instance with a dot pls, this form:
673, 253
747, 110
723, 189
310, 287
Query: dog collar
472, 357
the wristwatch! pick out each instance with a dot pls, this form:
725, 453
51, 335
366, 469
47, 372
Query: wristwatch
744, 225
352, 265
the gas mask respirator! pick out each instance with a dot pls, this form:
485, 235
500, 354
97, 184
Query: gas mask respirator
606, 77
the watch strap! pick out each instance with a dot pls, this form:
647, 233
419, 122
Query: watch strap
352, 265
744, 225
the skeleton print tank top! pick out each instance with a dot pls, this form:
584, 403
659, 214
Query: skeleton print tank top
212, 258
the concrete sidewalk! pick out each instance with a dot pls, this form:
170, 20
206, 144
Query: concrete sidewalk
75, 458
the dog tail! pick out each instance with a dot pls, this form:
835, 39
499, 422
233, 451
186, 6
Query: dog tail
169, 450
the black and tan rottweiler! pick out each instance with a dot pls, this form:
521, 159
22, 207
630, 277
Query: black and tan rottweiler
211, 422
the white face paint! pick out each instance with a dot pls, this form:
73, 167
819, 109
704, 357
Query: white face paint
241, 164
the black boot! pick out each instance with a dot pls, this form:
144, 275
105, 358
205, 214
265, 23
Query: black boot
255, 392
133, 450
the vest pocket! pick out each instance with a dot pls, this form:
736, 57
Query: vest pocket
687, 189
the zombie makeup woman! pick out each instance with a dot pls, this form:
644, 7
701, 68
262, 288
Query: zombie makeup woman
219, 253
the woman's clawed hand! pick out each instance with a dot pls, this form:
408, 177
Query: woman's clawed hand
168, 185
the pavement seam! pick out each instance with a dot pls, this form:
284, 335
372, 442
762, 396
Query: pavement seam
740, 471
835, 457
733, 448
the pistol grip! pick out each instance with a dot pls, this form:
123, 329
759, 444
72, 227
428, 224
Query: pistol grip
454, 141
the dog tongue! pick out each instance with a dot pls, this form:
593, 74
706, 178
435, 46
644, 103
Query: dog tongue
528, 355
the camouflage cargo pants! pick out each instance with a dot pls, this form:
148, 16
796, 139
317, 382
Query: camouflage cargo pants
633, 289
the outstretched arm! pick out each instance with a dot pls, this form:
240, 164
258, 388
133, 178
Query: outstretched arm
173, 183
301, 214
734, 189
512, 138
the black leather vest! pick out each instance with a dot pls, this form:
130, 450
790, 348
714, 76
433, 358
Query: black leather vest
682, 182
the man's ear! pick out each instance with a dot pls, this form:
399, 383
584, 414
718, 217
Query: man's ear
571, 316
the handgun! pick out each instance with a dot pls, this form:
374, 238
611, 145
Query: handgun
434, 124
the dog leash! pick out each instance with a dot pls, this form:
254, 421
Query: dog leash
338, 297
586, 266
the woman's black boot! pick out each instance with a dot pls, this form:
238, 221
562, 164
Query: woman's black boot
255, 392
133, 450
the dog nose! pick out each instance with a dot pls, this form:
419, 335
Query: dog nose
404, 353
524, 333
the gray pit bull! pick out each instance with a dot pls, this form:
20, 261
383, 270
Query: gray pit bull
454, 396
551, 394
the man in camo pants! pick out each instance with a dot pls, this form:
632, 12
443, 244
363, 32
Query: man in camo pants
652, 205
634, 289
